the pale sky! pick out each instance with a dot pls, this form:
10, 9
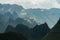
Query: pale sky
34, 3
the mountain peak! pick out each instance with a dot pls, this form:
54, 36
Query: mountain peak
40, 30
42, 26
9, 28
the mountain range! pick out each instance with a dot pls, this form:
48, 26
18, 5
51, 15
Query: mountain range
34, 24
36, 33
9, 16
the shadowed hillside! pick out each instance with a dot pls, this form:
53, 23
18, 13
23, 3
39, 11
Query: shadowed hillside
36, 33
39, 31
12, 36
9, 28
54, 34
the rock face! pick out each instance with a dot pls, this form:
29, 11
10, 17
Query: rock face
54, 34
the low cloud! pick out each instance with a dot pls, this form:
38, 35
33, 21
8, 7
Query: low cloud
34, 3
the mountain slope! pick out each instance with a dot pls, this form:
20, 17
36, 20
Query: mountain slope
54, 34
33, 16
39, 31
8, 11
9, 29
36, 33
20, 28
12, 36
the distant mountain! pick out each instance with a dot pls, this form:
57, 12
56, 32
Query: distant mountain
31, 17
50, 16
21, 21
12, 8
39, 31
8, 11
15, 22
54, 34
12, 36
9, 15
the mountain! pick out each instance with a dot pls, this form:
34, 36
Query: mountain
8, 11
12, 36
11, 8
21, 21
9, 15
50, 16
54, 34
36, 33
39, 31
31, 16
9, 29
15, 22
20, 28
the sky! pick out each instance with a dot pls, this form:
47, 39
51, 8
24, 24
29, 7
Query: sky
43, 4
34, 3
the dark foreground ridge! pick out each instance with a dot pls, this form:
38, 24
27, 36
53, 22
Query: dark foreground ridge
11, 36
54, 34
36, 33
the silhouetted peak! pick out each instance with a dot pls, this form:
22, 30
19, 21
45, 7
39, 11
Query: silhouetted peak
40, 30
9, 28
45, 24
42, 26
